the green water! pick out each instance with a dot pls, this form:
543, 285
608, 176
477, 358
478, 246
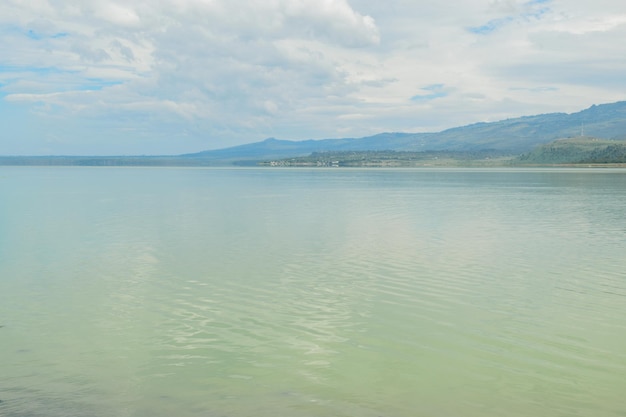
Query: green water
274, 292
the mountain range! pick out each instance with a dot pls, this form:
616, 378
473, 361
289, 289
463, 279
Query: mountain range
527, 140
514, 136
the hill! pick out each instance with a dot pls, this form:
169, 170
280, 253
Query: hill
514, 136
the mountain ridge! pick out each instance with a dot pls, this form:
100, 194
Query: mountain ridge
514, 135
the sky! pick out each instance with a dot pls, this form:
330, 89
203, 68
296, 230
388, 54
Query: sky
150, 77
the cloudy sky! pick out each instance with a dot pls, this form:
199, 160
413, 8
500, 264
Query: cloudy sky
175, 76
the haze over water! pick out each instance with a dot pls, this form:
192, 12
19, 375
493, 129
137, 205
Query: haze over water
295, 292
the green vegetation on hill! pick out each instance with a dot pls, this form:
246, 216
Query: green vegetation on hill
583, 150
577, 151
394, 159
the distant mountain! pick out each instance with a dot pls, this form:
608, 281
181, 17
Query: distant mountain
516, 136
272, 148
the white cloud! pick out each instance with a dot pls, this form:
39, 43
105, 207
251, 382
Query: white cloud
219, 73
118, 14
581, 25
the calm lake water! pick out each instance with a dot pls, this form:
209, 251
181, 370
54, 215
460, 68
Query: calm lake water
154, 292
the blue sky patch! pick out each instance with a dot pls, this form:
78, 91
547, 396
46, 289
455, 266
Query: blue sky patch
433, 91
33, 70
34, 35
535, 89
495, 24
54, 79
491, 26
98, 84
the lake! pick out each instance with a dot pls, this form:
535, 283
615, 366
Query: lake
151, 292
